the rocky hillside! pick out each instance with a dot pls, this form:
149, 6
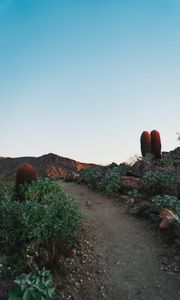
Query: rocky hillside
49, 164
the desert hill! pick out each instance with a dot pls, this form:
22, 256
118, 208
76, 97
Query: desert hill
49, 164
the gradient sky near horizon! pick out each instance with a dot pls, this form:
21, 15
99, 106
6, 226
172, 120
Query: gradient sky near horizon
84, 78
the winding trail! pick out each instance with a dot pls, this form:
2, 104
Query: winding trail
130, 251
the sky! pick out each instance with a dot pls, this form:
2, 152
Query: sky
84, 78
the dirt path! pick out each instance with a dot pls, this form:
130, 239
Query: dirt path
129, 251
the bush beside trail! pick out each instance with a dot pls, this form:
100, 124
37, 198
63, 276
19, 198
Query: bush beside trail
36, 230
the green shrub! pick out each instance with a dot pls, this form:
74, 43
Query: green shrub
148, 157
91, 177
6, 186
46, 218
135, 194
37, 286
155, 183
41, 189
112, 181
46, 212
167, 161
169, 202
124, 168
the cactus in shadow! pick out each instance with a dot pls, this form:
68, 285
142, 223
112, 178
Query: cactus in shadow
26, 173
145, 141
156, 144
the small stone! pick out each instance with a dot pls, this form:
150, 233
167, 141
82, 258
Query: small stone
99, 271
151, 210
77, 284
89, 203
164, 260
127, 199
140, 207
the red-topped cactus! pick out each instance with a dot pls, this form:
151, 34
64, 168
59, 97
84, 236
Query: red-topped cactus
26, 173
145, 141
156, 144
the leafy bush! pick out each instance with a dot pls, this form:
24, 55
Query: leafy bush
41, 190
156, 183
6, 186
148, 157
91, 176
52, 213
45, 218
169, 202
167, 162
38, 286
112, 181
124, 168
135, 194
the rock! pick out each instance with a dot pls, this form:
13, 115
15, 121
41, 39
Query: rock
100, 186
177, 162
139, 207
168, 218
89, 203
139, 168
127, 199
154, 218
71, 176
130, 183
164, 260
175, 153
151, 210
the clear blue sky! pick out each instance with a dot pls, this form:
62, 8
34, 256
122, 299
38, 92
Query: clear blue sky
84, 78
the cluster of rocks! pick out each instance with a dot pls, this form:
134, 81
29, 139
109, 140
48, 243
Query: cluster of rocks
165, 219
175, 155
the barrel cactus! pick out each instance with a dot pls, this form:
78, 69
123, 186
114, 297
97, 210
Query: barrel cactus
145, 143
26, 173
156, 144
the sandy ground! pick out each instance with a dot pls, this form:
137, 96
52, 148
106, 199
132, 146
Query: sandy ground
125, 253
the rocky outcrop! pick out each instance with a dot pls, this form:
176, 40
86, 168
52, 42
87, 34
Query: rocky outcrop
139, 168
51, 165
175, 155
130, 183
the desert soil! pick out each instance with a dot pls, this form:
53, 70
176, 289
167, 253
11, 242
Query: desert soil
119, 256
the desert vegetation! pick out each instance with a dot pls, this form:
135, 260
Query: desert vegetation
154, 178
39, 223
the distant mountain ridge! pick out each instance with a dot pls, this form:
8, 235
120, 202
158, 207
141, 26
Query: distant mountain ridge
51, 165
